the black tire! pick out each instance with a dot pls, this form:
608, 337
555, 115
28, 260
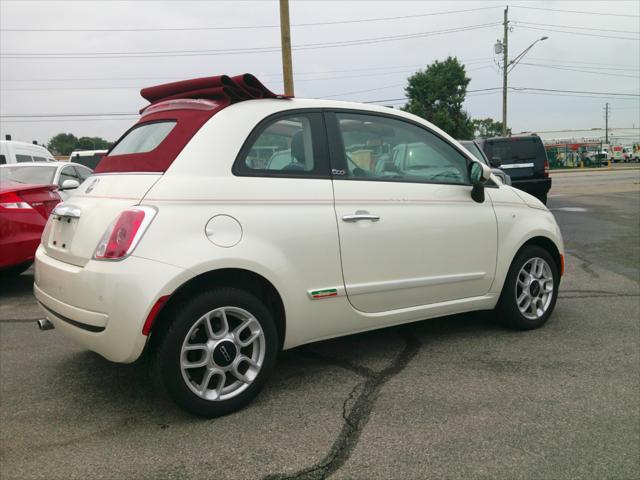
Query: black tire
167, 351
507, 308
14, 271
543, 198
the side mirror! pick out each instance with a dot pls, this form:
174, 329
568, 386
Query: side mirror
495, 162
69, 184
478, 174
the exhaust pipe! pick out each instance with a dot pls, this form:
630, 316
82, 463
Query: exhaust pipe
45, 324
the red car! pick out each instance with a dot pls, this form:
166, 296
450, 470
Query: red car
24, 210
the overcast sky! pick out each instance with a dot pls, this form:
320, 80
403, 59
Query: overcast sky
581, 54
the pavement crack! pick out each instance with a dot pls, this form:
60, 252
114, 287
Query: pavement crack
346, 403
358, 417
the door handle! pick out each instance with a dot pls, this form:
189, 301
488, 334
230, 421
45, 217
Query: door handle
360, 215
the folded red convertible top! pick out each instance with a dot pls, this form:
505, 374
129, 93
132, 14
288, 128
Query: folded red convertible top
189, 104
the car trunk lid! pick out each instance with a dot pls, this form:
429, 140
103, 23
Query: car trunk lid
77, 225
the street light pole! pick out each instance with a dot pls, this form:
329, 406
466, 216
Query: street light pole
505, 60
507, 66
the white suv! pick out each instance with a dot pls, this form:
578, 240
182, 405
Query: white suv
189, 240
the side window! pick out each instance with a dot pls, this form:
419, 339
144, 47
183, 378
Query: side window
83, 173
382, 148
285, 146
39, 159
3, 160
68, 173
23, 158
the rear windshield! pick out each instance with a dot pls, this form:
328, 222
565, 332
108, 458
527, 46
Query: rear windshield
143, 138
90, 161
515, 149
28, 174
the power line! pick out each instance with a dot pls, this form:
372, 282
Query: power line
577, 33
579, 11
538, 91
43, 120
554, 60
569, 69
236, 51
473, 61
636, 32
63, 115
577, 91
242, 27
385, 87
137, 87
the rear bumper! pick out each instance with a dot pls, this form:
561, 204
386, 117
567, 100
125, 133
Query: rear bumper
536, 187
103, 305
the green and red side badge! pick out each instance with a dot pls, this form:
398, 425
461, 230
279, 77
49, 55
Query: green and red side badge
324, 293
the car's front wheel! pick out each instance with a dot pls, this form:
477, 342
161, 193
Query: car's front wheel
530, 290
218, 351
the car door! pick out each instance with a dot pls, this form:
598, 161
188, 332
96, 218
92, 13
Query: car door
410, 233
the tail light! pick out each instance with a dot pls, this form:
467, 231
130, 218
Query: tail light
13, 201
124, 233
546, 168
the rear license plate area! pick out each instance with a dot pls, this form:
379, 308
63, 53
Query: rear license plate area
62, 231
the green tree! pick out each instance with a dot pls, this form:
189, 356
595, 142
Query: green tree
488, 127
437, 94
65, 143
92, 143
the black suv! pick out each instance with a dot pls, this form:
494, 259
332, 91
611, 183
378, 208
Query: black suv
524, 159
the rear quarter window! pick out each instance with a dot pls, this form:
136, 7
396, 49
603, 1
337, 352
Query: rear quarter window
143, 138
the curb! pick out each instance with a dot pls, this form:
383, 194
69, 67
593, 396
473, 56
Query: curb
602, 169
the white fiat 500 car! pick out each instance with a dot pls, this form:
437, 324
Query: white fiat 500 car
229, 224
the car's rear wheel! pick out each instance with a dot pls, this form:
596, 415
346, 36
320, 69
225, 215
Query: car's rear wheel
543, 198
217, 353
530, 290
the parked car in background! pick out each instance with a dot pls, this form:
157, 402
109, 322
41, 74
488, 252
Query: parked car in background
66, 176
477, 152
12, 151
24, 210
88, 158
184, 242
524, 159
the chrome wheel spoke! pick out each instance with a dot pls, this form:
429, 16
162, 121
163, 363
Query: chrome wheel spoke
218, 316
204, 356
255, 332
206, 380
522, 297
246, 377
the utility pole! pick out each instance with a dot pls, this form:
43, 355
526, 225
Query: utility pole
606, 123
285, 41
505, 64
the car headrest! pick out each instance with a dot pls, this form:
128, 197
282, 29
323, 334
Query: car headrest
297, 146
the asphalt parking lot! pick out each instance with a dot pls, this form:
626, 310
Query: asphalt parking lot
456, 397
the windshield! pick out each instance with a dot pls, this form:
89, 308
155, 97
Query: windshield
474, 150
143, 138
29, 174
